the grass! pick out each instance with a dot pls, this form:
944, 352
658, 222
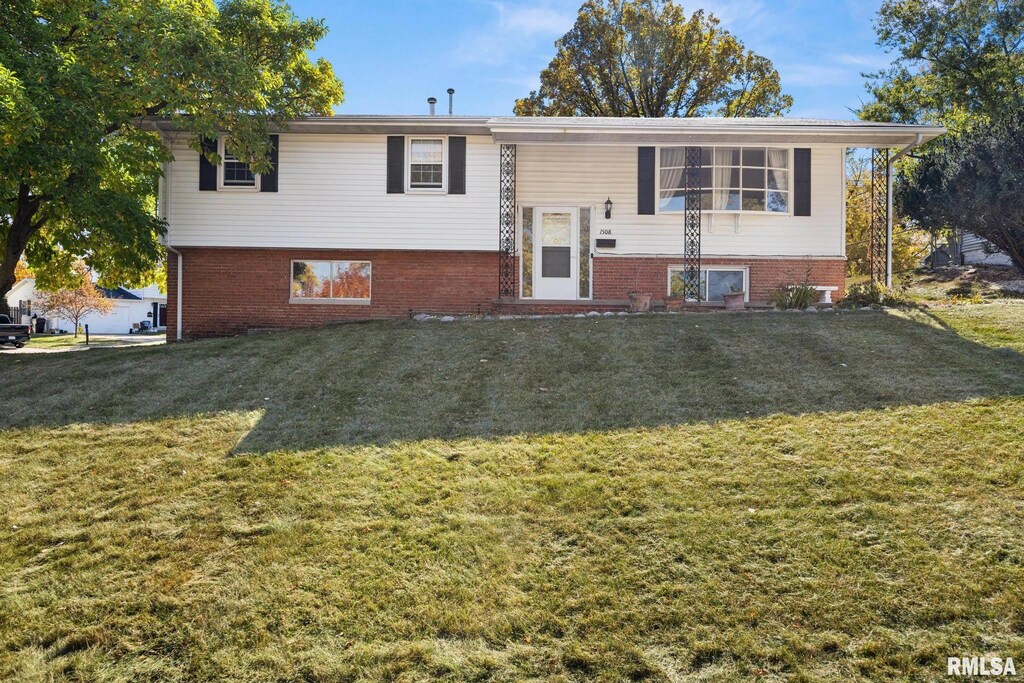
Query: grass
997, 324
706, 497
57, 341
959, 285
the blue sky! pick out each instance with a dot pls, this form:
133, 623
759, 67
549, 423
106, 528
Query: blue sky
393, 55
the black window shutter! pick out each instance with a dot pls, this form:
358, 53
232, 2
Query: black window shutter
801, 182
268, 181
396, 164
207, 171
456, 165
645, 181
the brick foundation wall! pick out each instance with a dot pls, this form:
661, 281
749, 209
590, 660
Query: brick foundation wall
527, 307
227, 291
615, 277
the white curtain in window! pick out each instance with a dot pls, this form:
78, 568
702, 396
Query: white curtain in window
727, 156
671, 178
426, 151
673, 156
778, 158
726, 177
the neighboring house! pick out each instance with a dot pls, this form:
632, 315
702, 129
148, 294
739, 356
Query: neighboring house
387, 216
131, 307
978, 250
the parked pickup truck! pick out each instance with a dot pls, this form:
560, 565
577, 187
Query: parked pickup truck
13, 335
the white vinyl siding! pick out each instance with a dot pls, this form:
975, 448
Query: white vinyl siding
584, 175
333, 195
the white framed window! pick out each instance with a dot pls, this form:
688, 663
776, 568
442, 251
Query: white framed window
330, 281
426, 170
715, 282
732, 179
426, 166
233, 174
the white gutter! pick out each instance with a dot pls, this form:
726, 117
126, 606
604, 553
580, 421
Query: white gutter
602, 125
695, 126
888, 211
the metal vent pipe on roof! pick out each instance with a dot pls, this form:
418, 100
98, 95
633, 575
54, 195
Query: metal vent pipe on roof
451, 98
432, 101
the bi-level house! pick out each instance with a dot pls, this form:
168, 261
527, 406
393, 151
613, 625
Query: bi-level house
389, 216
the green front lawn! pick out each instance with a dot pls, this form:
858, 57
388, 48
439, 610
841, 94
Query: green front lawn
712, 497
964, 284
59, 341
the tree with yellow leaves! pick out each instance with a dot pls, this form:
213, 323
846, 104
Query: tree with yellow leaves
76, 303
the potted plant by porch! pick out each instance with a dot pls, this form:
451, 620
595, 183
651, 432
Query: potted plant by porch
734, 300
639, 302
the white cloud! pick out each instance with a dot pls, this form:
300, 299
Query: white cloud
531, 21
875, 61
735, 15
837, 69
516, 28
524, 83
815, 74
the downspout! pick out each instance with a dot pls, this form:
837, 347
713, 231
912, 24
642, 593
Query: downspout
888, 204
165, 201
177, 297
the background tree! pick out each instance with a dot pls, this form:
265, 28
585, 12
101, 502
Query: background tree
647, 58
22, 271
973, 181
77, 302
909, 246
77, 176
957, 61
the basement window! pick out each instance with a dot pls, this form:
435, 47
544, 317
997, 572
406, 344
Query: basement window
715, 283
330, 282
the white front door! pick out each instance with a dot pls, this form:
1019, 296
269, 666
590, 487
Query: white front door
556, 253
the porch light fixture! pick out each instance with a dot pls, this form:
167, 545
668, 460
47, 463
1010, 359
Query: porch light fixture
608, 208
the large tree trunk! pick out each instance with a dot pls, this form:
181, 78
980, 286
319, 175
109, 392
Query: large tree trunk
21, 229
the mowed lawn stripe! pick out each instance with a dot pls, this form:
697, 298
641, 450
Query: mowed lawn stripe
386, 381
704, 497
839, 546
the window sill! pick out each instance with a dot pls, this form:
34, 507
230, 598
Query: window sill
238, 188
331, 302
426, 190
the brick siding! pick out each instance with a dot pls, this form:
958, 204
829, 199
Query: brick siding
615, 277
226, 291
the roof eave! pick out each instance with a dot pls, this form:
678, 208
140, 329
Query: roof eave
582, 131
398, 125
868, 135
